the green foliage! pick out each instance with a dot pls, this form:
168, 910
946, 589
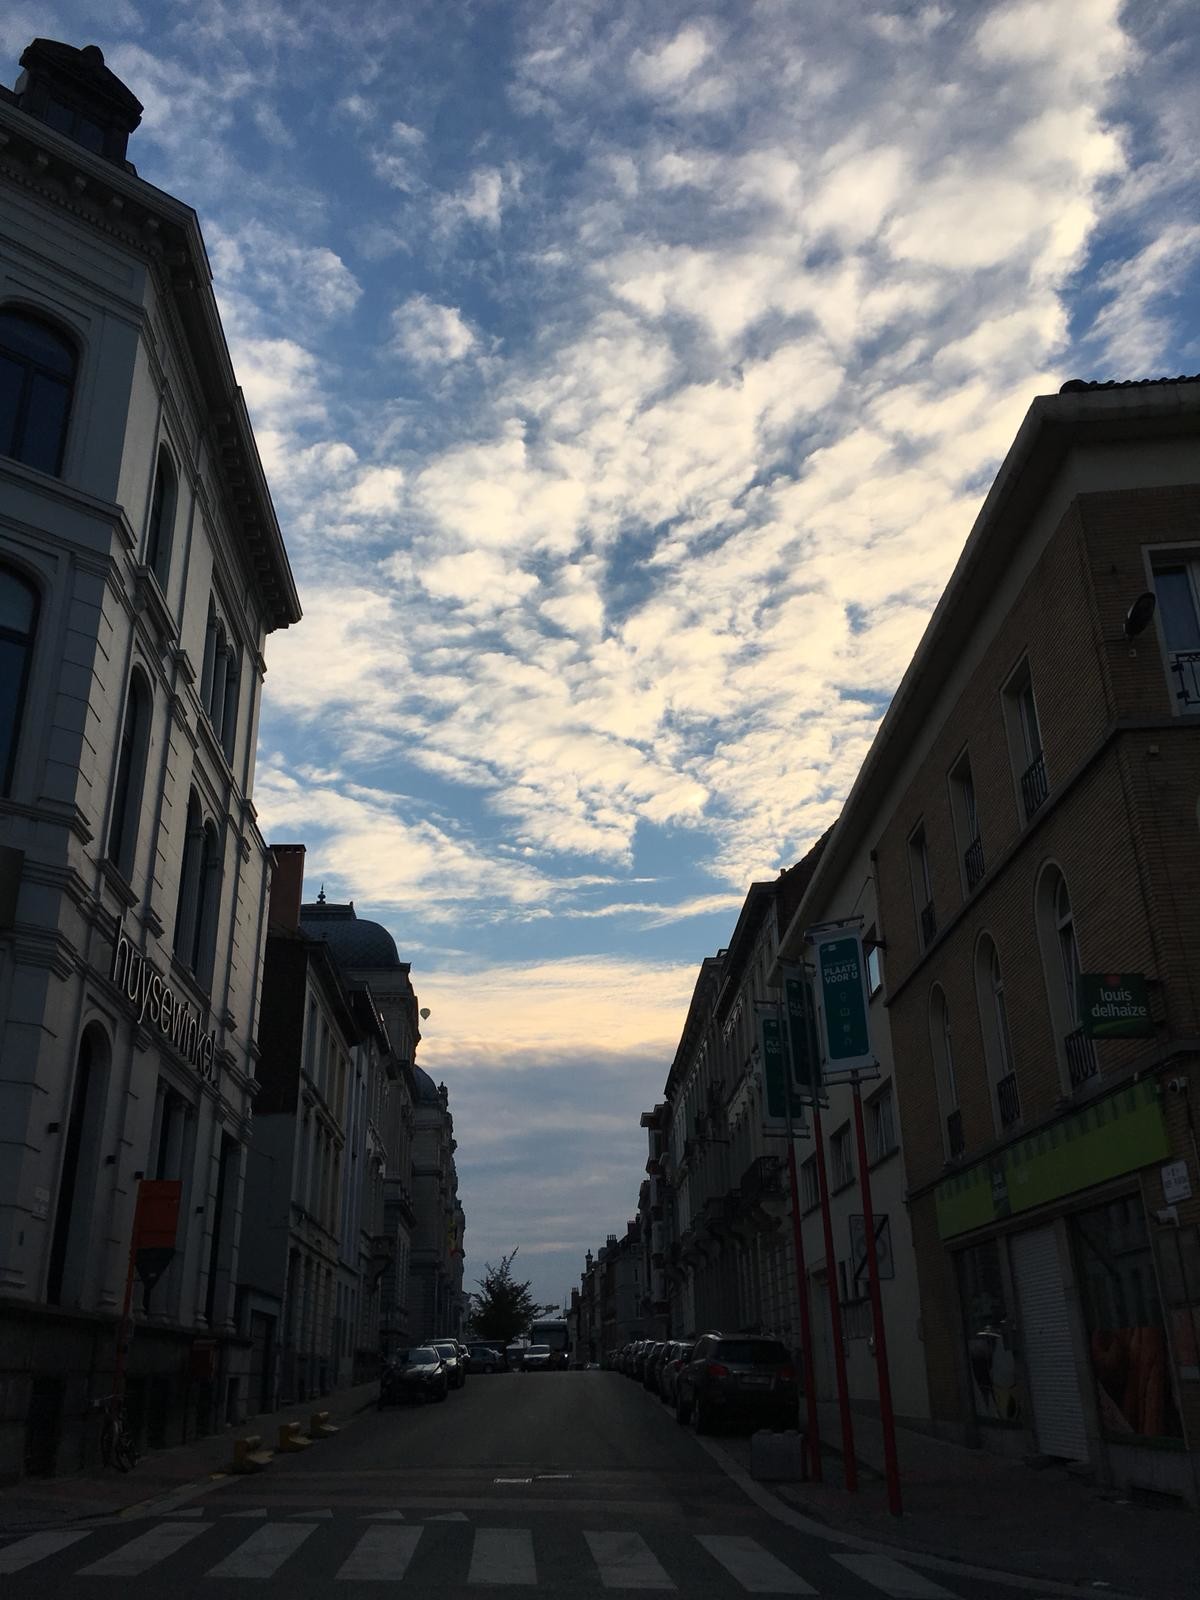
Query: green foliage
503, 1308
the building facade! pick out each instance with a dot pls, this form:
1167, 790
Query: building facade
141, 569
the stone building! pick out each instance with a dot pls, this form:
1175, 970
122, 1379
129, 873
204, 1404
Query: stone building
437, 1306
141, 569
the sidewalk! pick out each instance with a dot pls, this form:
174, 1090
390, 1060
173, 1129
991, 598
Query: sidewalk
972, 1506
37, 1503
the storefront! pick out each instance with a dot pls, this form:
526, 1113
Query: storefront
1077, 1296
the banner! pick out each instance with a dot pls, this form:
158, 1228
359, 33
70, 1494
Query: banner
775, 1076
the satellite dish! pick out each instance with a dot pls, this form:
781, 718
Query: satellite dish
1137, 618
425, 1013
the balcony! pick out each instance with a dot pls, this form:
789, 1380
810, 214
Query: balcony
1034, 787
955, 1142
928, 925
973, 863
1081, 1057
762, 1180
1008, 1100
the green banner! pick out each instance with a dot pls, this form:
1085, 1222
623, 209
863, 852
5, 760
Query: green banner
1114, 1005
844, 1000
802, 1036
1104, 1140
770, 1033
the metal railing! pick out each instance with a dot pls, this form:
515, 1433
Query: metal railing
762, 1179
1186, 663
1008, 1100
954, 1135
928, 924
1034, 787
973, 861
1081, 1057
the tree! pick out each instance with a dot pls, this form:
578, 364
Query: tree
504, 1307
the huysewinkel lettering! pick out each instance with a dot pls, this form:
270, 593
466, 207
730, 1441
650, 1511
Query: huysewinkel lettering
155, 1001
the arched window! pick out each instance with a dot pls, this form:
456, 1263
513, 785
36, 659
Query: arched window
18, 622
37, 374
70, 1243
189, 882
131, 775
997, 1040
942, 1044
205, 936
220, 680
1060, 959
162, 518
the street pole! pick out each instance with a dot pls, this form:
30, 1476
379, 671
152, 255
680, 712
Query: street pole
850, 1465
810, 1381
886, 1416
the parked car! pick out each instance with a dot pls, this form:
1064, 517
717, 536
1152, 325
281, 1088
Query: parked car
637, 1362
456, 1366
650, 1365
484, 1358
514, 1355
678, 1353
538, 1358
737, 1378
413, 1375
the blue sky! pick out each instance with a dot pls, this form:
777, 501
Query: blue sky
628, 374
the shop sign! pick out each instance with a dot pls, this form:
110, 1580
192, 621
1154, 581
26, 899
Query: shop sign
1176, 1182
153, 1001
1114, 1005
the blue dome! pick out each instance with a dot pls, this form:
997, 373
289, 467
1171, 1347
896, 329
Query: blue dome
354, 941
427, 1094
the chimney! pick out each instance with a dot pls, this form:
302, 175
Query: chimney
287, 887
73, 92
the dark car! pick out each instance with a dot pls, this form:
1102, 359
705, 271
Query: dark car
651, 1364
737, 1379
484, 1358
456, 1367
678, 1353
637, 1361
413, 1375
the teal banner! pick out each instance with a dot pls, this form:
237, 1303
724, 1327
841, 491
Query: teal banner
802, 1036
770, 1034
844, 1000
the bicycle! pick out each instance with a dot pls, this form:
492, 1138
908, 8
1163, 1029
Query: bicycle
117, 1447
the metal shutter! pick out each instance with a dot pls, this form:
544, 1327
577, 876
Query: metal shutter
1049, 1354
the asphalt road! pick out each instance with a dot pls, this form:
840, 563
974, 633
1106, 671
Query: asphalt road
568, 1485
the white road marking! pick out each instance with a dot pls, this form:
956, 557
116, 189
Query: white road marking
449, 1516
174, 1516
755, 1569
892, 1579
381, 1555
384, 1516
625, 1561
38, 1546
260, 1512
263, 1552
144, 1552
312, 1516
502, 1555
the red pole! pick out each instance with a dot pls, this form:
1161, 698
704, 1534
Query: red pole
810, 1381
835, 1311
886, 1415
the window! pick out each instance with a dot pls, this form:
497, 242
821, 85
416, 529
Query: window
1060, 960
162, 518
70, 1243
1177, 586
810, 1193
881, 1124
841, 1160
989, 1333
199, 893
131, 775
220, 681
37, 374
18, 621
922, 885
1025, 740
874, 955
942, 1045
966, 822
997, 1042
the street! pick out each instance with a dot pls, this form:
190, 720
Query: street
568, 1484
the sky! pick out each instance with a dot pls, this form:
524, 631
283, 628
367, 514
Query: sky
628, 375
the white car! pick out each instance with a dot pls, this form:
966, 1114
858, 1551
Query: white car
537, 1358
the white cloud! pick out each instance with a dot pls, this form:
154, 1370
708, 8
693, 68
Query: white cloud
430, 334
673, 63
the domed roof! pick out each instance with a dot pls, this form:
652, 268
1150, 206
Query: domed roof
353, 940
427, 1094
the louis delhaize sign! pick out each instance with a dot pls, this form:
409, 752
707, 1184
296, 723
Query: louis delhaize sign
154, 1002
1114, 1005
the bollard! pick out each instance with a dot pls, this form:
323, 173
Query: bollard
320, 1427
249, 1455
291, 1439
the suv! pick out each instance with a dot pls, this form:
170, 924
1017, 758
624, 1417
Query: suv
737, 1378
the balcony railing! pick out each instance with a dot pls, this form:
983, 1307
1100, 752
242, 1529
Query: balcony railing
1186, 666
1009, 1100
762, 1179
928, 924
1081, 1057
973, 861
954, 1135
1034, 787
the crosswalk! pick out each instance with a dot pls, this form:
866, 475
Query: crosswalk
390, 1549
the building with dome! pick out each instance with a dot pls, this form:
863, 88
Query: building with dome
141, 570
436, 1273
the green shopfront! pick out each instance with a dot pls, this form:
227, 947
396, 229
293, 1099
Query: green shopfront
1074, 1298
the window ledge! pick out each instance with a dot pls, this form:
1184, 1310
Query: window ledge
846, 1183
882, 1160
119, 883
